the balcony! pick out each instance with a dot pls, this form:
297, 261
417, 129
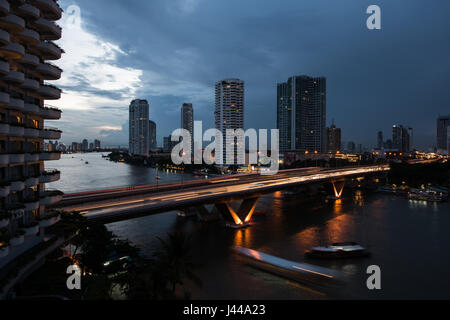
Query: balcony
4, 159
4, 68
31, 108
50, 113
31, 182
49, 71
31, 157
4, 37
12, 23
16, 157
49, 30
28, 11
4, 8
29, 60
15, 104
29, 36
17, 186
16, 130
4, 192
49, 156
31, 230
49, 176
4, 99
49, 221
14, 77
12, 51
50, 134
49, 9
30, 84
49, 50
50, 197
31, 133
49, 92
31, 204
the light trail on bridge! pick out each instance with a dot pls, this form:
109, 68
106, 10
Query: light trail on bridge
171, 200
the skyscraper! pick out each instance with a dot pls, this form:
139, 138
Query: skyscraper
380, 142
187, 120
400, 138
443, 143
139, 122
85, 145
27, 34
229, 112
97, 144
334, 139
301, 114
152, 135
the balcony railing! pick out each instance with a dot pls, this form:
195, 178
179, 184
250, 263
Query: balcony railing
49, 8
13, 50
4, 7
49, 92
12, 23
29, 11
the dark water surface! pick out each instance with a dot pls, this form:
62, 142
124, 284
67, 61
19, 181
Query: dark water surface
409, 240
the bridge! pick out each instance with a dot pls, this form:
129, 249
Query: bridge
192, 196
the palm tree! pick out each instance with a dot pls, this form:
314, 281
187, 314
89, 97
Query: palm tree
174, 258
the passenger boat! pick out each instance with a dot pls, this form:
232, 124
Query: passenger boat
338, 250
425, 195
301, 272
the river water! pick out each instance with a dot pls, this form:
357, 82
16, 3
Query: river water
408, 240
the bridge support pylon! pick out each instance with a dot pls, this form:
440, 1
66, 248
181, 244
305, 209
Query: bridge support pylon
338, 188
242, 217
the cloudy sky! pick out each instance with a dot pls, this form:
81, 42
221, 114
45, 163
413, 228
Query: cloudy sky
173, 51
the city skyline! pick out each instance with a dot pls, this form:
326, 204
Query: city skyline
261, 61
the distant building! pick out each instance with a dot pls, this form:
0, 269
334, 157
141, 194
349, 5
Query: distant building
400, 138
229, 111
301, 114
334, 139
85, 145
138, 132
91, 146
168, 144
152, 135
380, 142
359, 148
187, 120
351, 147
97, 144
443, 134
388, 144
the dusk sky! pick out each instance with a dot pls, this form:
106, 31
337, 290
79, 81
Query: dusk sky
170, 52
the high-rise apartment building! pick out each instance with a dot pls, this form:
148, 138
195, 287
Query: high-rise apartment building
27, 32
85, 145
187, 120
400, 138
97, 144
443, 133
152, 135
229, 114
301, 114
380, 142
139, 123
334, 139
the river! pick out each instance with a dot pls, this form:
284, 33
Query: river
408, 240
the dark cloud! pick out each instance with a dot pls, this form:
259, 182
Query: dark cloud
375, 78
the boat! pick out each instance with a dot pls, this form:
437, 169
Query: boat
425, 195
338, 250
86, 162
301, 272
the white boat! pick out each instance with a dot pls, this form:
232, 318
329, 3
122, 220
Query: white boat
301, 272
338, 250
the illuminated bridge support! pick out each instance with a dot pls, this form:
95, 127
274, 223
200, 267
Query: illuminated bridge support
338, 188
244, 214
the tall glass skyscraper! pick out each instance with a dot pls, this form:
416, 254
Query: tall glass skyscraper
443, 134
187, 120
139, 123
301, 114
